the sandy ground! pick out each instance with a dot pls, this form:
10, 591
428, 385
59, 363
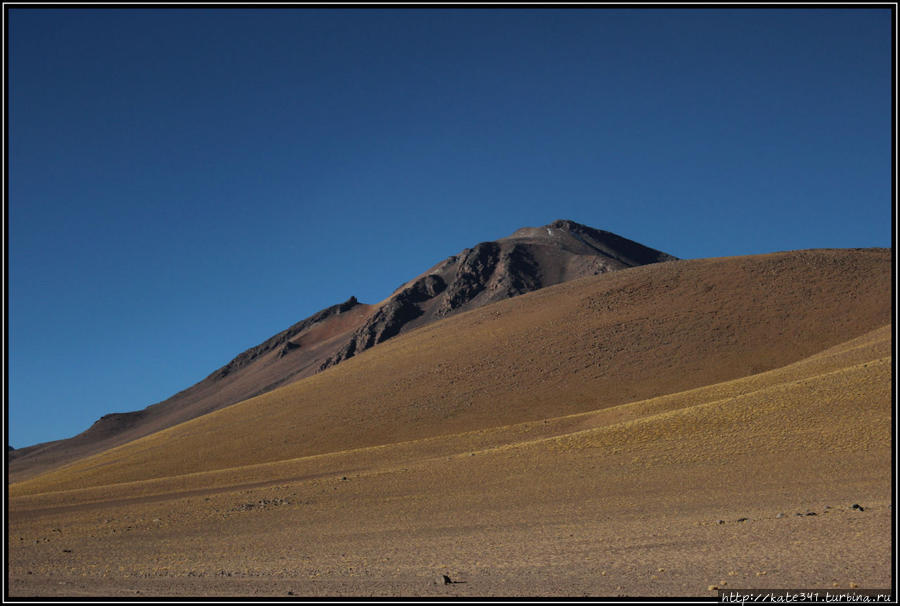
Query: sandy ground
395, 533
643, 553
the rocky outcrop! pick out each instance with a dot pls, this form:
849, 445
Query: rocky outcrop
520, 272
472, 272
390, 318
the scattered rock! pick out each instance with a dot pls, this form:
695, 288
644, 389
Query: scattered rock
854, 585
290, 593
720, 522
780, 515
712, 588
261, 504
448, 581
742, 519
799, 514
858, 507
811, 513
67, 551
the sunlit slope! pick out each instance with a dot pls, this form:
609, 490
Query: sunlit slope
581, 346
860, 427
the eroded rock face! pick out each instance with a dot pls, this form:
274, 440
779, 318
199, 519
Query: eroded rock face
520, 272
426, 288
472, 274
390, 318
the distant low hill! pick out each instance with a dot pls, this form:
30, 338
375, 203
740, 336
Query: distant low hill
530, 259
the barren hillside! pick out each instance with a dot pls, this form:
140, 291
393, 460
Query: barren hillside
660, 431
583, 345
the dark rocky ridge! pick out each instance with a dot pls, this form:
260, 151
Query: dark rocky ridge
529, 259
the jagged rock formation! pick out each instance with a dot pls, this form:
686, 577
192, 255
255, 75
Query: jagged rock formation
529, 259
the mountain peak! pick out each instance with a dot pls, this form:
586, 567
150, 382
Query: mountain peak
585, 241
566, 224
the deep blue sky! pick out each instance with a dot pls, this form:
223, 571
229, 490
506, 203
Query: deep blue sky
185, 183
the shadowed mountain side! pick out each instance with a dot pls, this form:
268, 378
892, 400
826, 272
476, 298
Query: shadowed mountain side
529, 259
580, 346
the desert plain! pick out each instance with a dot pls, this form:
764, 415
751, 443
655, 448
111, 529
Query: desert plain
663, 430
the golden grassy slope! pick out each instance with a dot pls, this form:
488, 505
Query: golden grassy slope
580, 346
627, 422
619, 501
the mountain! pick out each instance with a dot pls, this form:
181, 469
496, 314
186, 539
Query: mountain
579, 346
529, 259
662, 430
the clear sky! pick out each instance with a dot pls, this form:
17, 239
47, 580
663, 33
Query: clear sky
184, 184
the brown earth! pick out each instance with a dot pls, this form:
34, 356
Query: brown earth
527, 260
585, 439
